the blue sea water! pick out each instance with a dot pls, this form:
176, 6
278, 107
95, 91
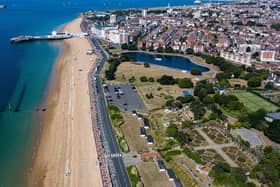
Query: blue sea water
25, 71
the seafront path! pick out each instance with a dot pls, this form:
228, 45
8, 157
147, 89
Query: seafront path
110, 153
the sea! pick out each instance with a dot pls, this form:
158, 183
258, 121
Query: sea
25, 71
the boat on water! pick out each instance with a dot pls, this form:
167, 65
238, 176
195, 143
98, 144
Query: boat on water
158, 59
197, 1
3, 6
53, 36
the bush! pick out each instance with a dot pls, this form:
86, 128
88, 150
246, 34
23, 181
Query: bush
151, 79
185, 83
173, 153
193, 155
195, 71
166, 80
189, 51
132, 79
254, 82
146, 65
171, 130
143, 79
169, 103
197, 109
150, 96
185, 99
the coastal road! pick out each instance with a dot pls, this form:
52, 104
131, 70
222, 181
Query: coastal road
116, 165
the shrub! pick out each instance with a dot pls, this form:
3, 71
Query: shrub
193, 155
185, 99
149, 96
143, 79
151, 79
185, 83
166, 80
195, 71
146, 65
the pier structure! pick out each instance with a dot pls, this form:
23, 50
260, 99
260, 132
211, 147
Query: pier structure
53, 36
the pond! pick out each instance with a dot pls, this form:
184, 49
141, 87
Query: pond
170, 61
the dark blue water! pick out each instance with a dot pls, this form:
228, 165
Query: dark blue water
176, 62
25, 71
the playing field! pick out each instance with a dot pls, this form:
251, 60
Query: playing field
254, 102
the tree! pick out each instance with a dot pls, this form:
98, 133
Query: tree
197, 109
146, 64
169, 103
195, 71
160, 49
225, 175
273, 131
169, 50
185, 99
254, 82
151, 79
124, 46
248, 49
185, 83
171, 130
143, 79
189, 51
268, 169
269, 86
276, 26
166, 80
203, 88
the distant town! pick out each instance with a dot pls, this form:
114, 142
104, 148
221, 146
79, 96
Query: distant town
244, 33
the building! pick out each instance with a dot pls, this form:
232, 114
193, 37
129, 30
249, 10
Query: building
178, 183
100, 30
273, 78
150, 140
253, 48
113, 19
144, 13
267, 56
117, 36
171, 175
270, 117
146, 123
143, 132
237, 58
160, 165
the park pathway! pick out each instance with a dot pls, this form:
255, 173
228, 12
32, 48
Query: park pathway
217, 148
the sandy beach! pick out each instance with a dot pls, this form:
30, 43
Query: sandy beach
66, 154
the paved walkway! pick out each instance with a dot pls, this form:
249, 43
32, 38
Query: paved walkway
217, 148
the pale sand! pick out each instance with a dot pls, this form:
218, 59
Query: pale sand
67, 144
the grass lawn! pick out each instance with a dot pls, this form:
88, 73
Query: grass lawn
130, 129
254, 102
133, 176
150, 175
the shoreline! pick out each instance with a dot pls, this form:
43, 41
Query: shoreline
65, 167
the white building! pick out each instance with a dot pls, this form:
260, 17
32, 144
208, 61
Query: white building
100, 30
144, 13
117, 36
237, 58
113, 19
